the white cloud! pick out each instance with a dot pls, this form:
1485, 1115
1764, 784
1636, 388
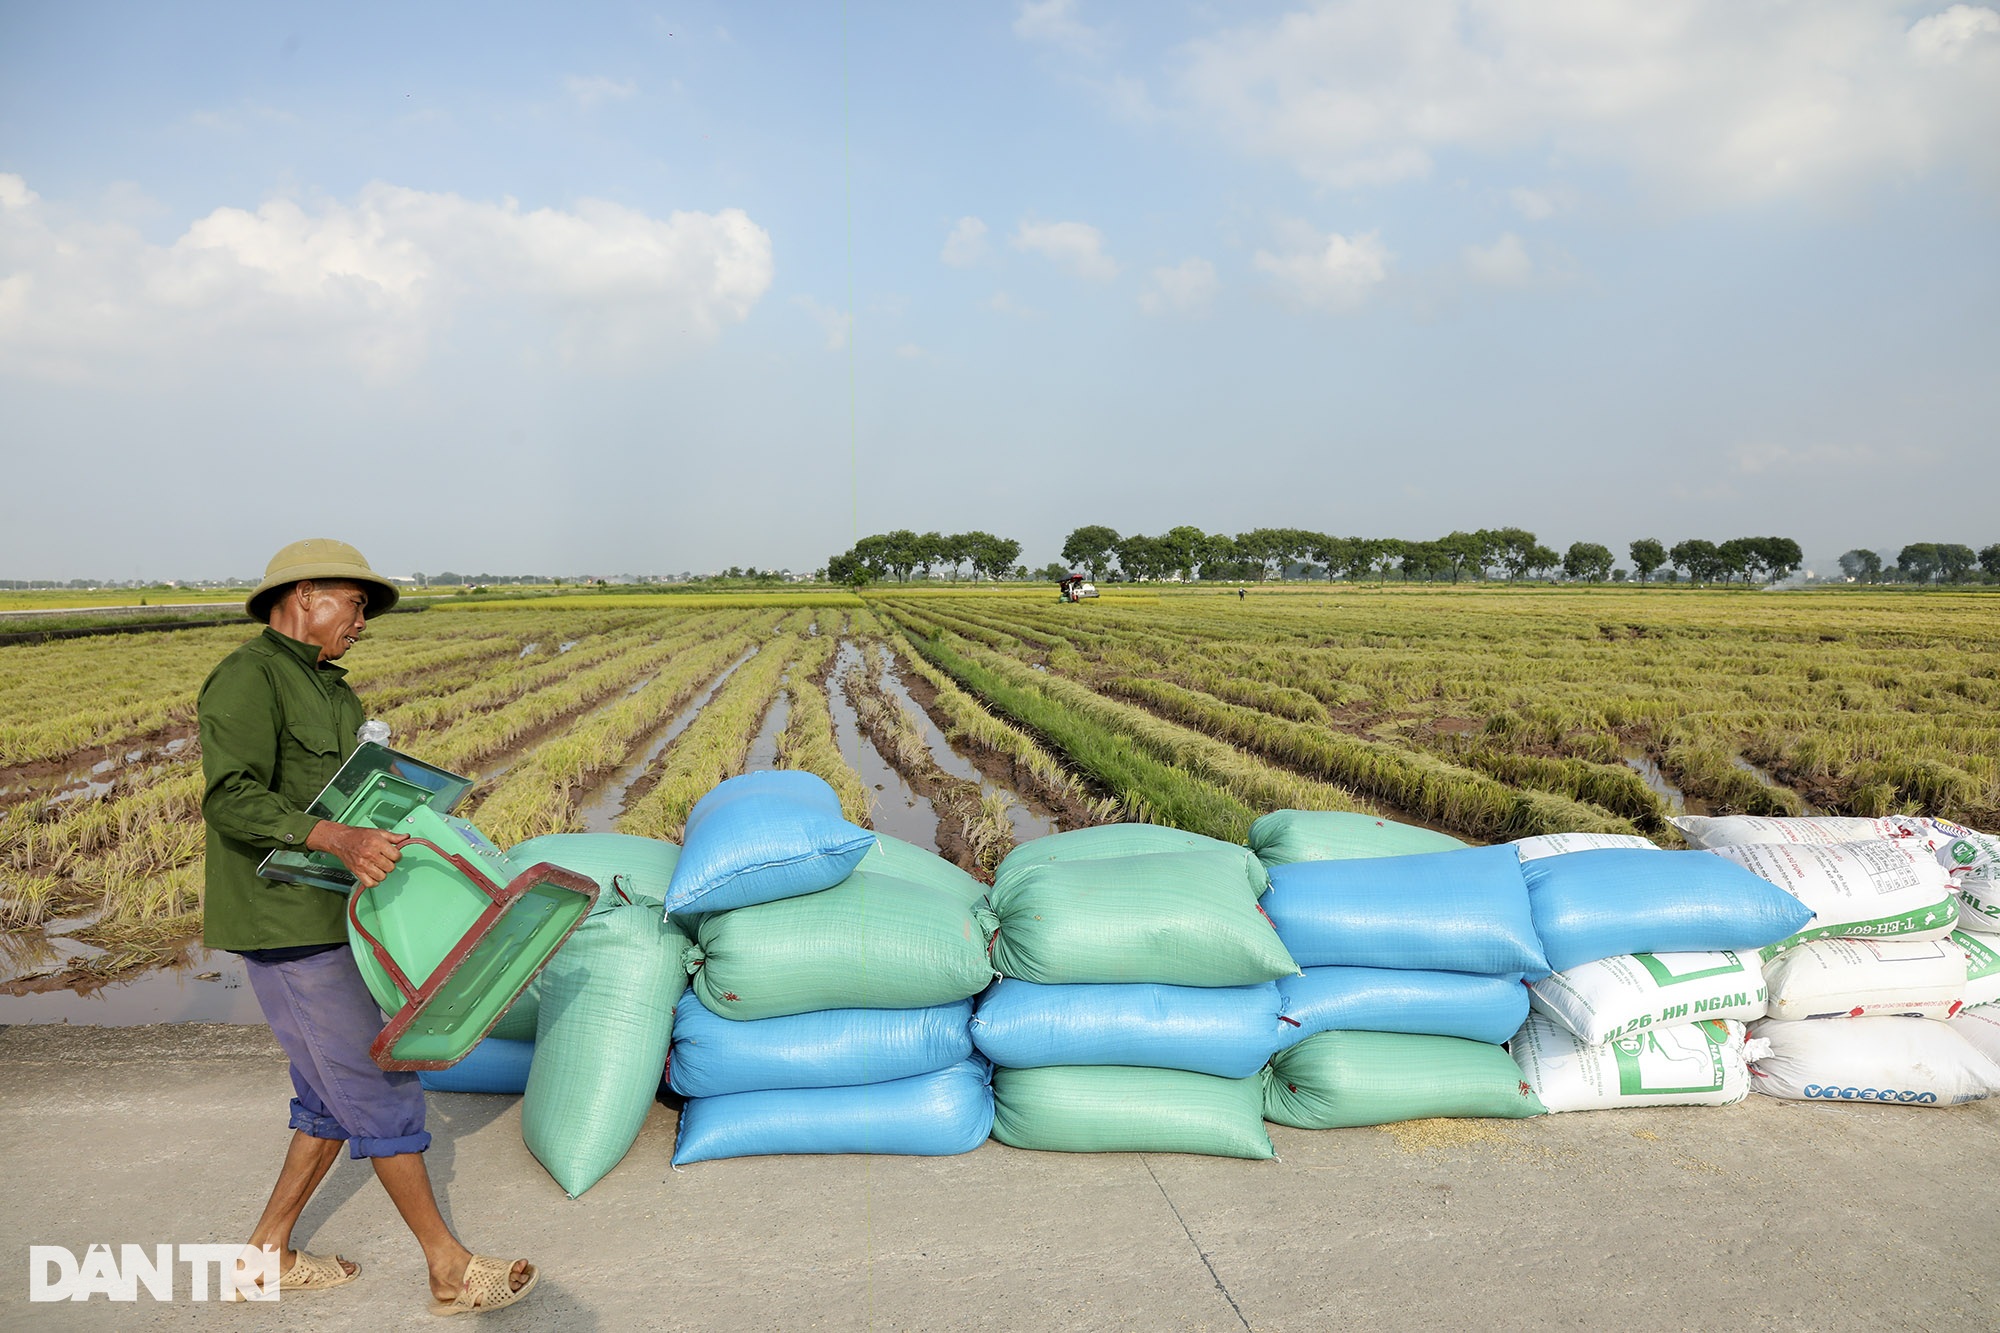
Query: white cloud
1504, 263
1534, 205
1002, 303
910, 352
1054, 23
837, 325
595, 89
1707, 102
966, 245
371, 282
1077, 246
1330, 272
1186, 289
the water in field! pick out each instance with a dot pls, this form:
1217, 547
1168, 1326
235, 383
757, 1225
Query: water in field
1765, 777
1026, 822
1649, 772
763, 752
898, 810
601, 808
200, 986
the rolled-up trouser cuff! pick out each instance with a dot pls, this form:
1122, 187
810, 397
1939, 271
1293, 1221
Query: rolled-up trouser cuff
359, 1148
317, 1124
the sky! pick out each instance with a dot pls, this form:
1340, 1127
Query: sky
641, 288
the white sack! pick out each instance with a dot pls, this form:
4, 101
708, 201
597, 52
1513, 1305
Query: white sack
1855, 978
1878, 888
1696, 1064
1613, 997
1981, 1028
1982, 967
1710, 831
1906, 1061
1557, 844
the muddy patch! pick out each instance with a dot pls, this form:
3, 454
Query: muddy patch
196, 986
1026, 817
93, 772
1650, 773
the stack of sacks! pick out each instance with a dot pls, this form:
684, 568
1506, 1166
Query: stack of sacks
1136, 1004
1412, 978
834, 966
627, 870
1655, 971
1859, 1001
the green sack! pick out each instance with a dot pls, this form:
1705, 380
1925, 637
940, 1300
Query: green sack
1115, 1108
1285, 836
1333, 1080
870, 942
637, 868
1108, 842
1172, 919
606, 1022
905, 860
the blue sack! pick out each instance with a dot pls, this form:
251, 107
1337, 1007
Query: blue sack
1463, 911
494, 1065
830, 1048
761, 837
932, 1115
1592, 905
1381, 999
1228, 1031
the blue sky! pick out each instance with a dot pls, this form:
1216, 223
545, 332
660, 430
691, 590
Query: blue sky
638, 288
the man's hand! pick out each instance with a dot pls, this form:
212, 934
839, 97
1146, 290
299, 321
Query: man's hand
370, 853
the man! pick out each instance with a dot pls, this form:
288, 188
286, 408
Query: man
277, 720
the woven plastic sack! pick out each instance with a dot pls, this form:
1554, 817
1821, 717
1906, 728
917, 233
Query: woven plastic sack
870, 942
1176, 919
626, 867
1384, 999
1592, 905
906, 860
1111, 842
1982, 967
833, 1048
1559, 844
607, 1019
1463, 911
1613, 997
1981, 1029
1903, 1061
1228, 1031
1710, 831
494, 1065
1878, 889
1692, 1064
1979, 900
1337, 1080
1287, 836
761, 837
938, 1114
1091, 1108
1855, 978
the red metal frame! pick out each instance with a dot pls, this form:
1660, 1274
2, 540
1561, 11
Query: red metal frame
416, 997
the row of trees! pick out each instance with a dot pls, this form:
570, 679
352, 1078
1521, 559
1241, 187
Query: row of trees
902, 553
1922, 562
1513, 553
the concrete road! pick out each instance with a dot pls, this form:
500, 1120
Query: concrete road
1764, 1215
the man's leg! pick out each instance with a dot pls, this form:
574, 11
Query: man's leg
306, 1163
408, 1182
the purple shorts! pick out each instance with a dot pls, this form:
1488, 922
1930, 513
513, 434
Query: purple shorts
324, 1017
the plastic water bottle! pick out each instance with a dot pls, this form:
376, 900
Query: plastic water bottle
373, 730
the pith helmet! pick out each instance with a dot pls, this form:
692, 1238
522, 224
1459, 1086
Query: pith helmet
319, 558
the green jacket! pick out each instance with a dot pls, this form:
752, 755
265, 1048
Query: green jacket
276, 724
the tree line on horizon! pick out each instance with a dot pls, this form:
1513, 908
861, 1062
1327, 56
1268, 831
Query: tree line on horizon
1922, 562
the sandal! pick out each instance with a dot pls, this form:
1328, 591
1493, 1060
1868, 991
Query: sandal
309, 1272
487, 1285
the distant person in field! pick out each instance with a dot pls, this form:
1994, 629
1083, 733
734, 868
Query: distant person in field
277, 720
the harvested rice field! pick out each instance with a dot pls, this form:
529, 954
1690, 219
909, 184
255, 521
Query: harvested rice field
969, 719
